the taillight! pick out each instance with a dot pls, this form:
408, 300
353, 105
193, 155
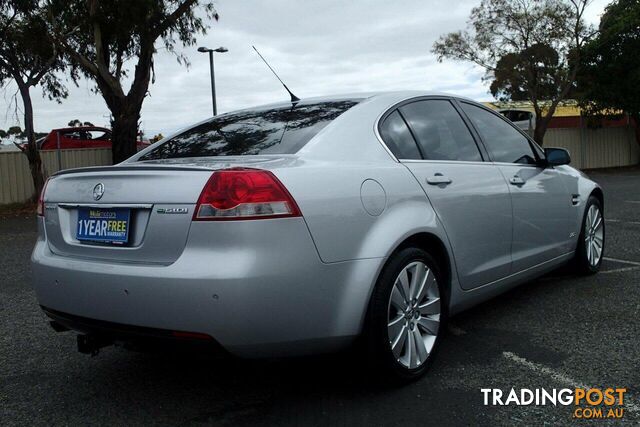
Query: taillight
234, 194
40, 207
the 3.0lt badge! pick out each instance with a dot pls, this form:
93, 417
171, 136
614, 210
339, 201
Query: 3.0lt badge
172, 210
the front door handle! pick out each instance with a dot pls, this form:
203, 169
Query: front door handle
438, 179
516, 180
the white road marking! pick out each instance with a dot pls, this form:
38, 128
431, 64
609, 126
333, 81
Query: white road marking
541, 369
620, 221
632, 201
619, 270
623, 261
559, 376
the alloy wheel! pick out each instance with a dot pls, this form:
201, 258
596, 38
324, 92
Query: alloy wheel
413, 315
594, 235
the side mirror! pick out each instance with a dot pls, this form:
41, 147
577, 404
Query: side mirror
557, 156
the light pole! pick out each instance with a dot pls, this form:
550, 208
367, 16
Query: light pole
213, 80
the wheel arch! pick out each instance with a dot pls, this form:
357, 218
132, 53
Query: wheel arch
598, 194
436, 247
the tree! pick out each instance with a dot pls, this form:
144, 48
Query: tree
14, 130
77, 123
102, 38
530, 50
609, 81
156, 138
28, 59
3, 133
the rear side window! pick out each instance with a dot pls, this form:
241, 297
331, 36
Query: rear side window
74, 134
274, 131
505, 144
98, 134
440, 131
397, 137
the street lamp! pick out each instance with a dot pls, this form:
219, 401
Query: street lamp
213, 82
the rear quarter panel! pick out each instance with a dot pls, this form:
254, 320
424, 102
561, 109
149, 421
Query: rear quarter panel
343, 231
330, 198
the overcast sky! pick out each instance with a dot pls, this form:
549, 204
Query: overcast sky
318, 47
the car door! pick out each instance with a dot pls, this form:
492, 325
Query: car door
49, 142
468, 194
541, 202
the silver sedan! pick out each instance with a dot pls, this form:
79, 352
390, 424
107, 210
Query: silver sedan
292, 229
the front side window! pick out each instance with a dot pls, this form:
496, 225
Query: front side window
505, 144
440, 131
397, 137
283, 130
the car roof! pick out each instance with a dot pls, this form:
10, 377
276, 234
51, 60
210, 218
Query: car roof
356, 124
385, 99
81, 128
393, 96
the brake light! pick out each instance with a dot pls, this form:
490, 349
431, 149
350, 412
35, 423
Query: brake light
40, 207
239, 193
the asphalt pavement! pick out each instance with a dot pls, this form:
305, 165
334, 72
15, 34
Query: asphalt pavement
559, 331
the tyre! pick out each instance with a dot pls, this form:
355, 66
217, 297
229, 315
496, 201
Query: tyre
406, 316
590, 250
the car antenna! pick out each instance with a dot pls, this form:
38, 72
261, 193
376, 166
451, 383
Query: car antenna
294, 99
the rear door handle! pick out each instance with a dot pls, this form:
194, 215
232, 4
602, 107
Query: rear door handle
438, 179
516, 180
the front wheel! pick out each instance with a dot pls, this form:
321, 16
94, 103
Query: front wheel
406, 315
590, 250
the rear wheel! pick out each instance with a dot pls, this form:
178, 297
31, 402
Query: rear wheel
406, 315
590, 250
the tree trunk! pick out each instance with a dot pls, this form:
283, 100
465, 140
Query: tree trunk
540, 130
542, 123
37, 174
124, 128
31, 151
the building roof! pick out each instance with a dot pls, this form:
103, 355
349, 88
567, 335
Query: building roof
567, 108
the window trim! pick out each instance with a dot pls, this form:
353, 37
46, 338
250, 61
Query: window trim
454, 162
453, 101
538, 152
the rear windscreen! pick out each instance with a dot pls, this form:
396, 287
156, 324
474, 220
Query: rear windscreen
274, 131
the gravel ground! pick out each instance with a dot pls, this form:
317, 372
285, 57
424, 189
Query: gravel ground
555, 332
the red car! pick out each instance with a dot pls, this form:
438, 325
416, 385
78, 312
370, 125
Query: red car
80, 137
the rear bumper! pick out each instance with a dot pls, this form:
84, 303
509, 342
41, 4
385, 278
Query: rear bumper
134, 336
268, 295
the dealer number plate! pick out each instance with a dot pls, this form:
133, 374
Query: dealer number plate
103, 225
